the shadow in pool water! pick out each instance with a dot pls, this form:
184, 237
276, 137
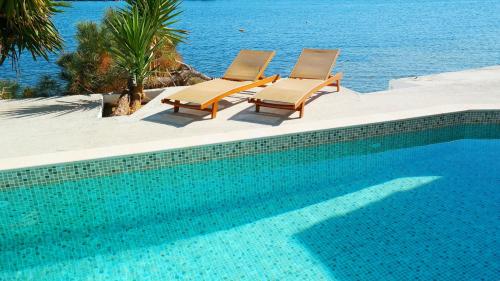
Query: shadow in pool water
287, 186
169, 227
446, 230
119, 239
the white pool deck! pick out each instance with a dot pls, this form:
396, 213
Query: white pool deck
46, 131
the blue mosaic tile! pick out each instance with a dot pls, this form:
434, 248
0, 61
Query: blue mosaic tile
155, 160
381, 205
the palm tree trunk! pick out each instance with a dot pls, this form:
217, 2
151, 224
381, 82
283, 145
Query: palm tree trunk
130, 100
136, 95
123, 105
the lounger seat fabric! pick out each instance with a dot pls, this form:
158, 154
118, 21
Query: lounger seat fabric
315, 64
287, 90
248, 65
204, 92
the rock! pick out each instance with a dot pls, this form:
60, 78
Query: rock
183, 76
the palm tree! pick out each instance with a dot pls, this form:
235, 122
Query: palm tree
27, 25
140, 31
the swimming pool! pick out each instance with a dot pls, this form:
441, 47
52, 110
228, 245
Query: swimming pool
417, 205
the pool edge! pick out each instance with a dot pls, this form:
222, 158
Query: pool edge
151, 159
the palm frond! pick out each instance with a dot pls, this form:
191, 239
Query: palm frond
27, 25
140, 31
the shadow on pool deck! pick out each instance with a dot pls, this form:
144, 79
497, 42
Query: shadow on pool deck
186, 116
446, 230
45, 106
271, 116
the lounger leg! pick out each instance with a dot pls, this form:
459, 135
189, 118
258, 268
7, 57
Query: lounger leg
176, 107
301, 109
215, 106
257, 108
338, 85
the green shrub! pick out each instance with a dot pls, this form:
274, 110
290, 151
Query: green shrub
91, 69
28, 92
9, 89
47, 87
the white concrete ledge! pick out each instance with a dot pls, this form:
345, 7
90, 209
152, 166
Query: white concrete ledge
150, 94
468, 76
152, 146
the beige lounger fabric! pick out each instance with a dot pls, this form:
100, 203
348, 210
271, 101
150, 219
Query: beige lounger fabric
287, 90
312, 69
249, 65
315, 64
205, 91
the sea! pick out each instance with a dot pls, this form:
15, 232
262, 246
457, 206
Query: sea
379, 40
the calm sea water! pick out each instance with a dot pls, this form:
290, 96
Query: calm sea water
380, 39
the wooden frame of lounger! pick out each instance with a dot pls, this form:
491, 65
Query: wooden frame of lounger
333, 80
212, 104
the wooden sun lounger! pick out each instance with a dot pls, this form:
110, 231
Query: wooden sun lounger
311, 73
246, 72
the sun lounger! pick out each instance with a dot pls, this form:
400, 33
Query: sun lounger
246, 72
311, 73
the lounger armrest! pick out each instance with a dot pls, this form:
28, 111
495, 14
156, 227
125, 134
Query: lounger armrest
334, 80
336, 76
270, 79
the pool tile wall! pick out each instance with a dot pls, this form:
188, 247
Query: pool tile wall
61, 173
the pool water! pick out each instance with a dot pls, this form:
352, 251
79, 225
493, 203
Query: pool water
380, 39
415, 206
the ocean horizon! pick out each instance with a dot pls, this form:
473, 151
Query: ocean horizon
379, 40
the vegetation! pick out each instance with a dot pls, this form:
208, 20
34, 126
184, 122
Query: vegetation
91, 68
46, 87
27, 25
8, 89
131, 49
140, 31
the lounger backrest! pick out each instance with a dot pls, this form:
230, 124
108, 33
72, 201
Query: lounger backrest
249, 65
315, 64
